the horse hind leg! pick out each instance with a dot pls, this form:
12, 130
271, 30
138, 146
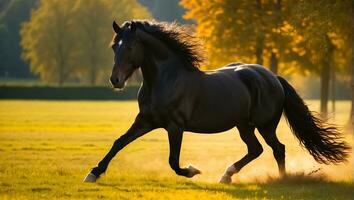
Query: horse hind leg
269, 134
254, 150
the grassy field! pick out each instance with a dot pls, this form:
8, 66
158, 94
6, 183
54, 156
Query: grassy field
47, 147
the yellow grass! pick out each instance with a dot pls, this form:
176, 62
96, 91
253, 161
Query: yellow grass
47, 147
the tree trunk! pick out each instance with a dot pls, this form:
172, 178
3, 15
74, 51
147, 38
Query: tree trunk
93, 70
61, 62
278, 19
259, 49
61, 71
93, 55
93, 76
61, 77
333, 90
351, 118
274, 63
260, 36
325, 73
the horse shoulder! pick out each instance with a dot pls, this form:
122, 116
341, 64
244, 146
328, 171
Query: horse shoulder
144, 98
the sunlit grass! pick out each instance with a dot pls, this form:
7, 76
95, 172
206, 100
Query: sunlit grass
47, 147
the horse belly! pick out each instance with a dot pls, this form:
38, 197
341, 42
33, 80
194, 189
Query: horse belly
217, 115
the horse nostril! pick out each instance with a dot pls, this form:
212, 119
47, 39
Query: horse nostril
114, 80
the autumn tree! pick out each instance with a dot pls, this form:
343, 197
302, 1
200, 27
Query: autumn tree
47, 40
248, 31
122, 10
12, 14
69, 39
93, 20
325, 28
351, 117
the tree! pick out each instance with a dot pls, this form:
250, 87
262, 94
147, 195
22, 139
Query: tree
301, 36
92, 19
12, 14
122, 10
324, 28
250, 31
68, 40
48, 40
351, 117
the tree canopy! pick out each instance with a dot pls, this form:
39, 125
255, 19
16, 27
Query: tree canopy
68, 40
253, 30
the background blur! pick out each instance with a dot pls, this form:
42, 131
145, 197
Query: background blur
59, 116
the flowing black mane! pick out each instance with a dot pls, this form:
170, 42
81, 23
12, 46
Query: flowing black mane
177, 37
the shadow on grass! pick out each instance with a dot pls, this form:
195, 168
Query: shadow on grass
297, 178
293, 186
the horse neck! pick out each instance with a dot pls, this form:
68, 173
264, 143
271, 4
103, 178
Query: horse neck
149, 70
155, 68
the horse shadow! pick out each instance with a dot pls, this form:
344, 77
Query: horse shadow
294, 186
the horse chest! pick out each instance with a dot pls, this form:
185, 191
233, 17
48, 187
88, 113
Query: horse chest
166, 110
155, 101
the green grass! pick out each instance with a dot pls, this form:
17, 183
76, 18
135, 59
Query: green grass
47, 147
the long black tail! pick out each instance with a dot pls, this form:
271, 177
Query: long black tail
323, 141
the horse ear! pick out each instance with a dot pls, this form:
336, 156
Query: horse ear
133, 26
115, 27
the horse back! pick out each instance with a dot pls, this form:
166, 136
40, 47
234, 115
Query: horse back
237, 94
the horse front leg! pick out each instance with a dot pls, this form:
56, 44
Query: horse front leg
175, 136
138, 128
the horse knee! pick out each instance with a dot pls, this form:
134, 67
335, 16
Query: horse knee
256, 151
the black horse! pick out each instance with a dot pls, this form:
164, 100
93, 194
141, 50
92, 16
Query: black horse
177, 96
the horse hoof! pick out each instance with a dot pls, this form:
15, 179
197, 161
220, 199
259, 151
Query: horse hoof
90, 178
225, 179
193, 171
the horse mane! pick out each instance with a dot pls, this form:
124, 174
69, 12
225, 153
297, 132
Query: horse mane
178, 38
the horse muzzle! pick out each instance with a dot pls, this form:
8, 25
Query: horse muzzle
117, 83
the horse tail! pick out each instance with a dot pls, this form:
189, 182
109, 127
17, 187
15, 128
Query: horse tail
322, 140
